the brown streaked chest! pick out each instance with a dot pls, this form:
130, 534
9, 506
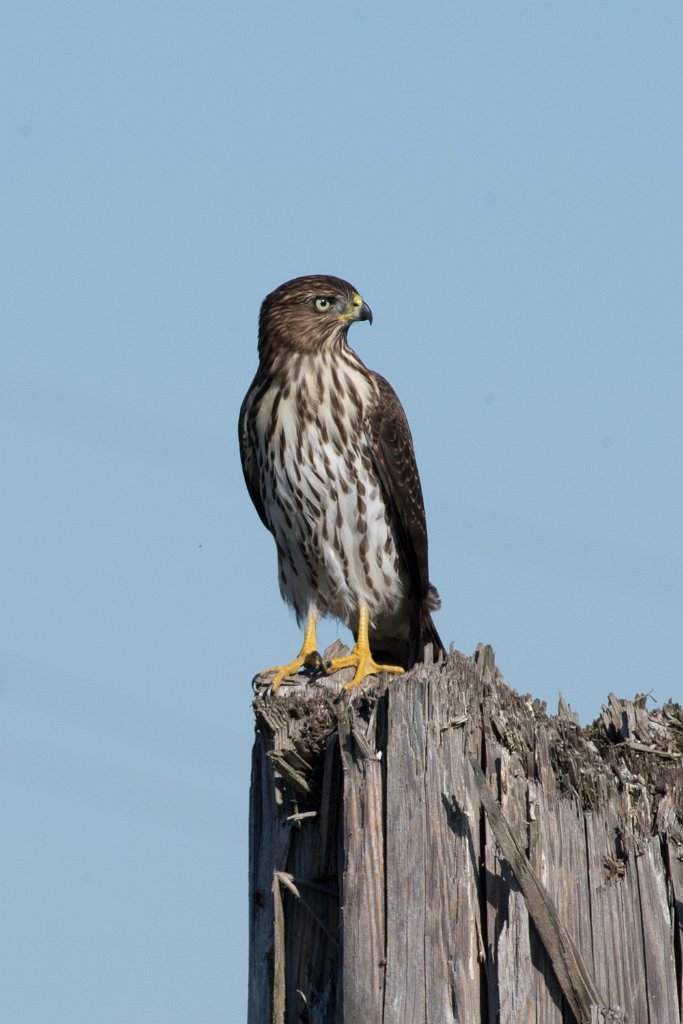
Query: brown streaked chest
321, 492
315, 413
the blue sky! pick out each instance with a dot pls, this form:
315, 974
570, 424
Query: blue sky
502, 183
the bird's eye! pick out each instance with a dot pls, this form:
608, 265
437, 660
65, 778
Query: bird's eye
322, 304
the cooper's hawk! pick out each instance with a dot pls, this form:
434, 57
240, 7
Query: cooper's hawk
329, 463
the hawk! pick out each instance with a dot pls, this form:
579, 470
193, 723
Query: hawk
329, 464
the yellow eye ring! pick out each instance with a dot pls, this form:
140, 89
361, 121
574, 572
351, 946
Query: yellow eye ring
323, 304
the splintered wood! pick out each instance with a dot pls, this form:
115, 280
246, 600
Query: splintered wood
436, 849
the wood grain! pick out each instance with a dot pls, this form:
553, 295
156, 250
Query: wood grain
437, 849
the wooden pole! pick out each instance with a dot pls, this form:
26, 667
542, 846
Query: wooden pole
574, 979
436, 849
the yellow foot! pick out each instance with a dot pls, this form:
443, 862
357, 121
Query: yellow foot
360, 657
364, 664
307, 656
310, 659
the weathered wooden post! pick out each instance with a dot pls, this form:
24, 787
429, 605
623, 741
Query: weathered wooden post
437, 849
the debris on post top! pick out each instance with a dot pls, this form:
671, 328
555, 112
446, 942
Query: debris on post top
435, 848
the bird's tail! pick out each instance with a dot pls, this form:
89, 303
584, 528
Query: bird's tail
409, 649
428, 631
429, 635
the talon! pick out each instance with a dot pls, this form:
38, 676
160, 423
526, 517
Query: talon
314, 663
361, 657
308, 651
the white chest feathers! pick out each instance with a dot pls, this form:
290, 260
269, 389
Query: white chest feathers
323, 499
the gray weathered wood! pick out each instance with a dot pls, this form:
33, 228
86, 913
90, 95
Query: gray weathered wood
575, 981
362, 894
380, 893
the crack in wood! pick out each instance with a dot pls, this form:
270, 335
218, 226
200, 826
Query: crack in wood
379, 893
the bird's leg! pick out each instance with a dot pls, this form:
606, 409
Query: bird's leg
308, 648
360, 657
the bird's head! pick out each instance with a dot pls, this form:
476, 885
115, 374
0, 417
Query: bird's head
309, 314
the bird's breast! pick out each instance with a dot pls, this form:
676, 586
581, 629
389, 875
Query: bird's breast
323, 498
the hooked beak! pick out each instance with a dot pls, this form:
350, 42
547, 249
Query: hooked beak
357, 309
364, 313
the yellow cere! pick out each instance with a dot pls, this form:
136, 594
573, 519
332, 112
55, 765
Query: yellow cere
357, 303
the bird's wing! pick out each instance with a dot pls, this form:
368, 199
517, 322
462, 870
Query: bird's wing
248, 445
393, 456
